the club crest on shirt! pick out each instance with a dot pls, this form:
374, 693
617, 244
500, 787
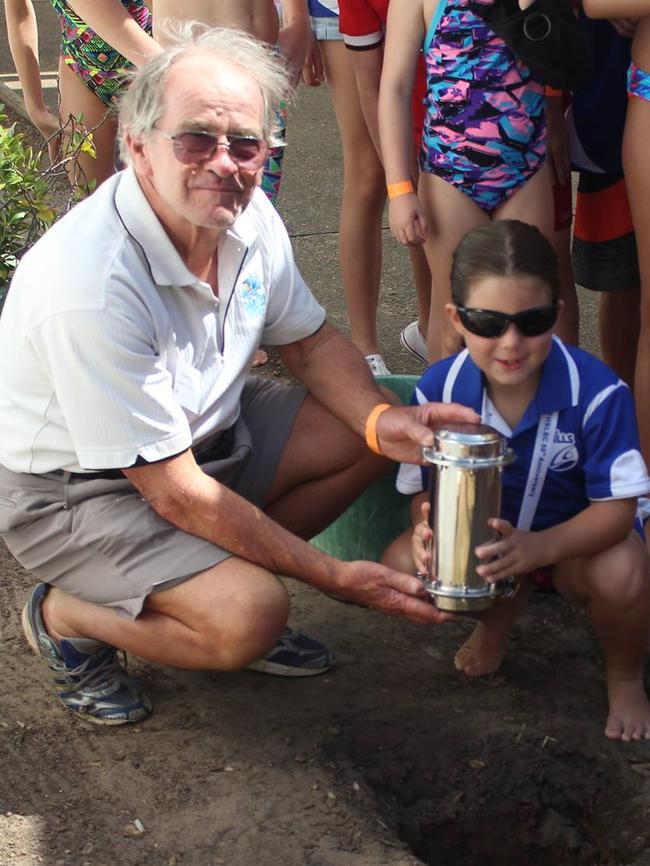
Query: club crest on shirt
565, 454
253, 297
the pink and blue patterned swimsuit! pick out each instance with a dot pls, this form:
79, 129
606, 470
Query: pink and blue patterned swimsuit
638, 82
485, 128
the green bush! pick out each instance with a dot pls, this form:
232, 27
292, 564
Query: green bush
25, 199
27, 189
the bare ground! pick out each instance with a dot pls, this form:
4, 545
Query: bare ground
392, 759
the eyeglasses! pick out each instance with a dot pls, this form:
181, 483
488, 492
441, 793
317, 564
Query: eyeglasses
492, 324
192, 147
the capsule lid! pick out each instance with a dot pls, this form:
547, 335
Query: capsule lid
469, 444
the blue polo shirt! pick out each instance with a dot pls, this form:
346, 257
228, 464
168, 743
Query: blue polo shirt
595, 452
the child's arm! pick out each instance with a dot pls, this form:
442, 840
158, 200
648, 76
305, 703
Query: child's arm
22, 30
600, 526
616, 8
121, 31
404, 35
295, 36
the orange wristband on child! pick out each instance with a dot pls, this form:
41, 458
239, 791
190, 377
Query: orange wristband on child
371, 426
552, 91
404, 187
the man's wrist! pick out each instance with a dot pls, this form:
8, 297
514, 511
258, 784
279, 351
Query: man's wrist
371, 427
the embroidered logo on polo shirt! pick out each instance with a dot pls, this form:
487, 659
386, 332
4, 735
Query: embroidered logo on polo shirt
253, 297
565, 453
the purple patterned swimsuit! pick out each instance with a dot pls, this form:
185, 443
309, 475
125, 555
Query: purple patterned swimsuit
485, 128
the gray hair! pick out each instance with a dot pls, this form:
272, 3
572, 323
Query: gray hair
143, 103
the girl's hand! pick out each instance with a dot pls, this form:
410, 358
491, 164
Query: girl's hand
49, 125
421, 541
406, 219
295, 42
515, 552
313, 72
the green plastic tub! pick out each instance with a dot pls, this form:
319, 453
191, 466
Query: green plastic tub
378, 516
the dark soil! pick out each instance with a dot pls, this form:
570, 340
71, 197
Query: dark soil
392, 759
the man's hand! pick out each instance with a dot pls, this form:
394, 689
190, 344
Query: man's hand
403, 430
516, 552
372, 585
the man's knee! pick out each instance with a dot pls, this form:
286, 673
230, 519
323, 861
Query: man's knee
235, 612
252, 632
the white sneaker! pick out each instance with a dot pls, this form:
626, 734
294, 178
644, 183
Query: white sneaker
414, 342
377, 365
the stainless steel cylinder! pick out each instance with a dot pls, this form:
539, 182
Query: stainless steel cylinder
465, 492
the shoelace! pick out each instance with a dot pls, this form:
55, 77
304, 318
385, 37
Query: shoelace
107, 673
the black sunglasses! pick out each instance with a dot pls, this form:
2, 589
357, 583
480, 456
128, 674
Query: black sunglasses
192, 147
492, 324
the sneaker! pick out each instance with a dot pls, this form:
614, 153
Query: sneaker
377, 365
94, 685
414, 342
295, 655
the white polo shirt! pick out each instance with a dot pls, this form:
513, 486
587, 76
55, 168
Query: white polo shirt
111, 349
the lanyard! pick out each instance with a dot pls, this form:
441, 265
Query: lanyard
541, 460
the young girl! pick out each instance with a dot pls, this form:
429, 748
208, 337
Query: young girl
570, 498
91, 76
637, 178
364, 187
483, 152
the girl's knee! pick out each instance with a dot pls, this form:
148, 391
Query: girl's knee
620, 580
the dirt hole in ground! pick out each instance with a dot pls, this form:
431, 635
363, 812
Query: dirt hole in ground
472, 794
555, 829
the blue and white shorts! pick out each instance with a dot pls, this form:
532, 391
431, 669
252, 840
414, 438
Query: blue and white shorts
324, 16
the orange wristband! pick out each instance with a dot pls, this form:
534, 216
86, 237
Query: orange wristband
552, 91
371, 426
404, 187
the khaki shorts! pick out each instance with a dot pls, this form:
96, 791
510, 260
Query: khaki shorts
101, 541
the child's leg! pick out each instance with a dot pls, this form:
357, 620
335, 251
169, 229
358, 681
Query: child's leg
362, 205
568, 326
637, 178
483, 652
618, 317
76, 99
532, 203
450, 215
615, 586
398, 553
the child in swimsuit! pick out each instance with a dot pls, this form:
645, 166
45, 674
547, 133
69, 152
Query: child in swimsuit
91, 78
569, 506
637, 178
483, 152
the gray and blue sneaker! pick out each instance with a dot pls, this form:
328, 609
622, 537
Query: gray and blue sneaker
295, 655
94, 685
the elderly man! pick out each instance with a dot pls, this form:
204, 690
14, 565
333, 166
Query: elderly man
154, 487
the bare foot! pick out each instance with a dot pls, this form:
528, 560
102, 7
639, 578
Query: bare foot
629, 711
260, 358
482, 654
